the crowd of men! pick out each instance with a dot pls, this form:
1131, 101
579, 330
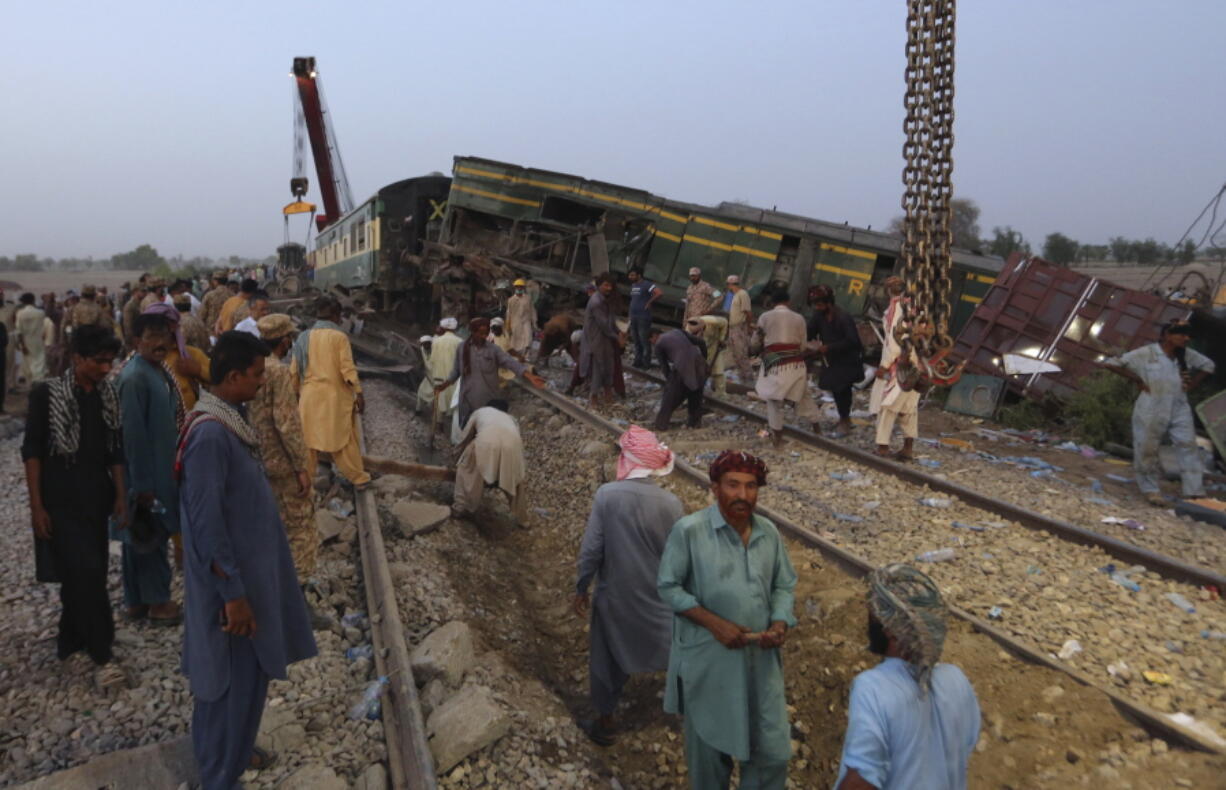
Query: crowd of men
190, 429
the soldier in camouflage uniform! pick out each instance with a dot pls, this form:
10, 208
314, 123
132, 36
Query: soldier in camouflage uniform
194, 333
210, 303
274, 413
156, 294
130, 311
89, 311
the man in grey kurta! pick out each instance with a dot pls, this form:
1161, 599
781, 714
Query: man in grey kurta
602, 342
477, 362
246, 617
150, 408
626, 531
683, 361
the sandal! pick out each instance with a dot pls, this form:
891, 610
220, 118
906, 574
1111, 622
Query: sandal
261, 759
111, 676
598, 735
168, 621
134, 613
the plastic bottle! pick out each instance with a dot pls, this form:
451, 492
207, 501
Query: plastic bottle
1124, 581
369, 707
1181, 602
971, 527
361, 651
1206, 634
934, 501
937, 555
844, 476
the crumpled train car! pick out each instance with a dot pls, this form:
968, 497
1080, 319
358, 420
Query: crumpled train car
1050, 313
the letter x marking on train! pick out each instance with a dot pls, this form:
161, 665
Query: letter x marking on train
437, 209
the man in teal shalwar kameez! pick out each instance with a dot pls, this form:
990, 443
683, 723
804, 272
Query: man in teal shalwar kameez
726, 574
151, 410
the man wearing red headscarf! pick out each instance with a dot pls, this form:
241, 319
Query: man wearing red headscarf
626, 531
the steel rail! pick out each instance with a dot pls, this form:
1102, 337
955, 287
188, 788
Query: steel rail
1123, 551
858, 567
410, 763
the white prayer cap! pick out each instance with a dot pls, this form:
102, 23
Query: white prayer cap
734, 279
576, 336
695, 270
496, 322
449, 323
426, 339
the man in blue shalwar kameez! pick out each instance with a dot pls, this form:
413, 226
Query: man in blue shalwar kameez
726, 574
246, 619
912, 722
150, 409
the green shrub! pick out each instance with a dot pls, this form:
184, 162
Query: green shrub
1102, 411
1025, 414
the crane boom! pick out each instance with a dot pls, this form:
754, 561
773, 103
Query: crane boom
311, 114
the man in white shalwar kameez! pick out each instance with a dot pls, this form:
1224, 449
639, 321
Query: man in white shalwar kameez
783, 376
889, 346
492, 454
631, 628
438, 368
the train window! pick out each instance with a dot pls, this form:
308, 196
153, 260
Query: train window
361, 232
569, 212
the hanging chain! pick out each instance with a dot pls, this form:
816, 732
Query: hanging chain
927, 180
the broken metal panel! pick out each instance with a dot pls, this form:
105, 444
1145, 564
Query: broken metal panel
1039, 310
1212, 412
976, 396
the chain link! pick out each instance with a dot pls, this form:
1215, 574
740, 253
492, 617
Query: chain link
927, 181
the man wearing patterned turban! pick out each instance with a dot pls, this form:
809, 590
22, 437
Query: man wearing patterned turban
912, 722
626, 531
727, 577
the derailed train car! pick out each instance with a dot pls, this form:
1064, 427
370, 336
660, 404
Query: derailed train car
561, 230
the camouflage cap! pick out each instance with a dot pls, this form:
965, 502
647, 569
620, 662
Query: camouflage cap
183, 298
156, 282
88, 290
275, 325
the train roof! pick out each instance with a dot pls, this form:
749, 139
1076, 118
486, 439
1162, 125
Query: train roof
843, 234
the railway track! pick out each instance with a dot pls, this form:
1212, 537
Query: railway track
410, 764
858, 567
1170, 567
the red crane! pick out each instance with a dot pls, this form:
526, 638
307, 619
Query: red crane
311, 121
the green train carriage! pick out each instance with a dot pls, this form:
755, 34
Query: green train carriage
563, 229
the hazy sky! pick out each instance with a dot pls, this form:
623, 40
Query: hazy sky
170, 123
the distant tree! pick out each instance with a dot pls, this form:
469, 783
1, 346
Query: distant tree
27, 263
1121, 249
1148, 251
965, 218
1187, 252
1060, 249
1006, 241
965, 223
144, 258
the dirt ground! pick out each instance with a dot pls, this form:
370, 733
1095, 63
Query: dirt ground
1040, 729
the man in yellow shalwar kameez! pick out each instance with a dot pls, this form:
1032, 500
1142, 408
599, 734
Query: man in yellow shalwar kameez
331, 395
